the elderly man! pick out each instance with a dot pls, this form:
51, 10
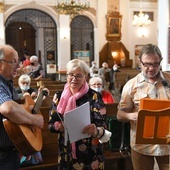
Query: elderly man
9, 156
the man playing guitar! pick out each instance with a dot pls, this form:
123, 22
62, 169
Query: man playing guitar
9, 156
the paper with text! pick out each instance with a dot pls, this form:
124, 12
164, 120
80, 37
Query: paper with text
75, 120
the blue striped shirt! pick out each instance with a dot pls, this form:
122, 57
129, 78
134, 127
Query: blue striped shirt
7, 93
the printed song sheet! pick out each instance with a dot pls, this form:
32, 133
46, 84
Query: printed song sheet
74, 121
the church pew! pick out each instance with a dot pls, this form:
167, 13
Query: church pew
50, 146
114, 159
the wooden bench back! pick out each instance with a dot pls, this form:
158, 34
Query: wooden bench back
50, 141
111, 109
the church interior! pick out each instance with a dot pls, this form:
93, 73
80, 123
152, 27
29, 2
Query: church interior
103, 31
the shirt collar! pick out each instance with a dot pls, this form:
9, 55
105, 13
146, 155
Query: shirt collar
8, 82
142, 78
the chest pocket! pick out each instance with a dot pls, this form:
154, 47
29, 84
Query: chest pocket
145, 90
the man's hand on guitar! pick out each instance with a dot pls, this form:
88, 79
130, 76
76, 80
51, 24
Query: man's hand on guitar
34, 95
39, 121
45, 91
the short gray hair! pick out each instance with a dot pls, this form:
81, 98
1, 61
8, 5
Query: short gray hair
34, 57
77, 63
150, 49
95, 79
24, 77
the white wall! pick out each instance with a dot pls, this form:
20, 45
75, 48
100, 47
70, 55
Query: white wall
63, 42
2, 34
163, 23
130, 36
101, 22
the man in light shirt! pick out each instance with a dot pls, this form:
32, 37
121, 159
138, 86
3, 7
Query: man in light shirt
147, 84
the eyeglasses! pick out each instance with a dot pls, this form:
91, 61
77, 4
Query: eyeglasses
148, 65
78, 77
14, 63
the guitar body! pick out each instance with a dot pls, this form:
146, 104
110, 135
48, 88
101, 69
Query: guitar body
27, 139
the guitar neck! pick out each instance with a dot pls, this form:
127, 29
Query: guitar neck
39, 100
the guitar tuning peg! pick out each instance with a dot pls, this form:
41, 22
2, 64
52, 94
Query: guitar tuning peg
40, 84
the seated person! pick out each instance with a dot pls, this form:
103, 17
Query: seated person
27, 70
24, 88
36, 68
24, 82
93, 69
96, 84
26, 62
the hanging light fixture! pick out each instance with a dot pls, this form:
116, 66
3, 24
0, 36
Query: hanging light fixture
71, 7
141, 19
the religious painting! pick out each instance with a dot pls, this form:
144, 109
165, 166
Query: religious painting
114, 20
114, 26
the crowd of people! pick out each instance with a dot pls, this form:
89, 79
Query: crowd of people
105, 73
87, 152
31, 66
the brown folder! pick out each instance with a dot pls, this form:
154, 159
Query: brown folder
153, 124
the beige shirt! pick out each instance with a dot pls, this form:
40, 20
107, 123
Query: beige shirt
136, 89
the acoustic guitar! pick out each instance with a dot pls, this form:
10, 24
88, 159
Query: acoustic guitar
26, 138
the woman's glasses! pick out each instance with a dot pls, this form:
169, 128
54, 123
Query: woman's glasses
77, 77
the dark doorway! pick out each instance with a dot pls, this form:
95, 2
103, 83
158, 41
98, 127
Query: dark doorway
34, 31
21, 36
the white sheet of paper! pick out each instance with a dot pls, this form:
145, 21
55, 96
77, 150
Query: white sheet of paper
75, 120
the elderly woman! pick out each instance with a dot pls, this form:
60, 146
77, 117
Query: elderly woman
96, 84
36, 69
24, 82
24, 89
85, 153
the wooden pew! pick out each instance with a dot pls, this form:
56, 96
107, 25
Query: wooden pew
50, 146
114, 159
34, 82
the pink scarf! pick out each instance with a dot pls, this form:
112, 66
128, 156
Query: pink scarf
68, 102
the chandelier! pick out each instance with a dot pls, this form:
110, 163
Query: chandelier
141, 20
71, 7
